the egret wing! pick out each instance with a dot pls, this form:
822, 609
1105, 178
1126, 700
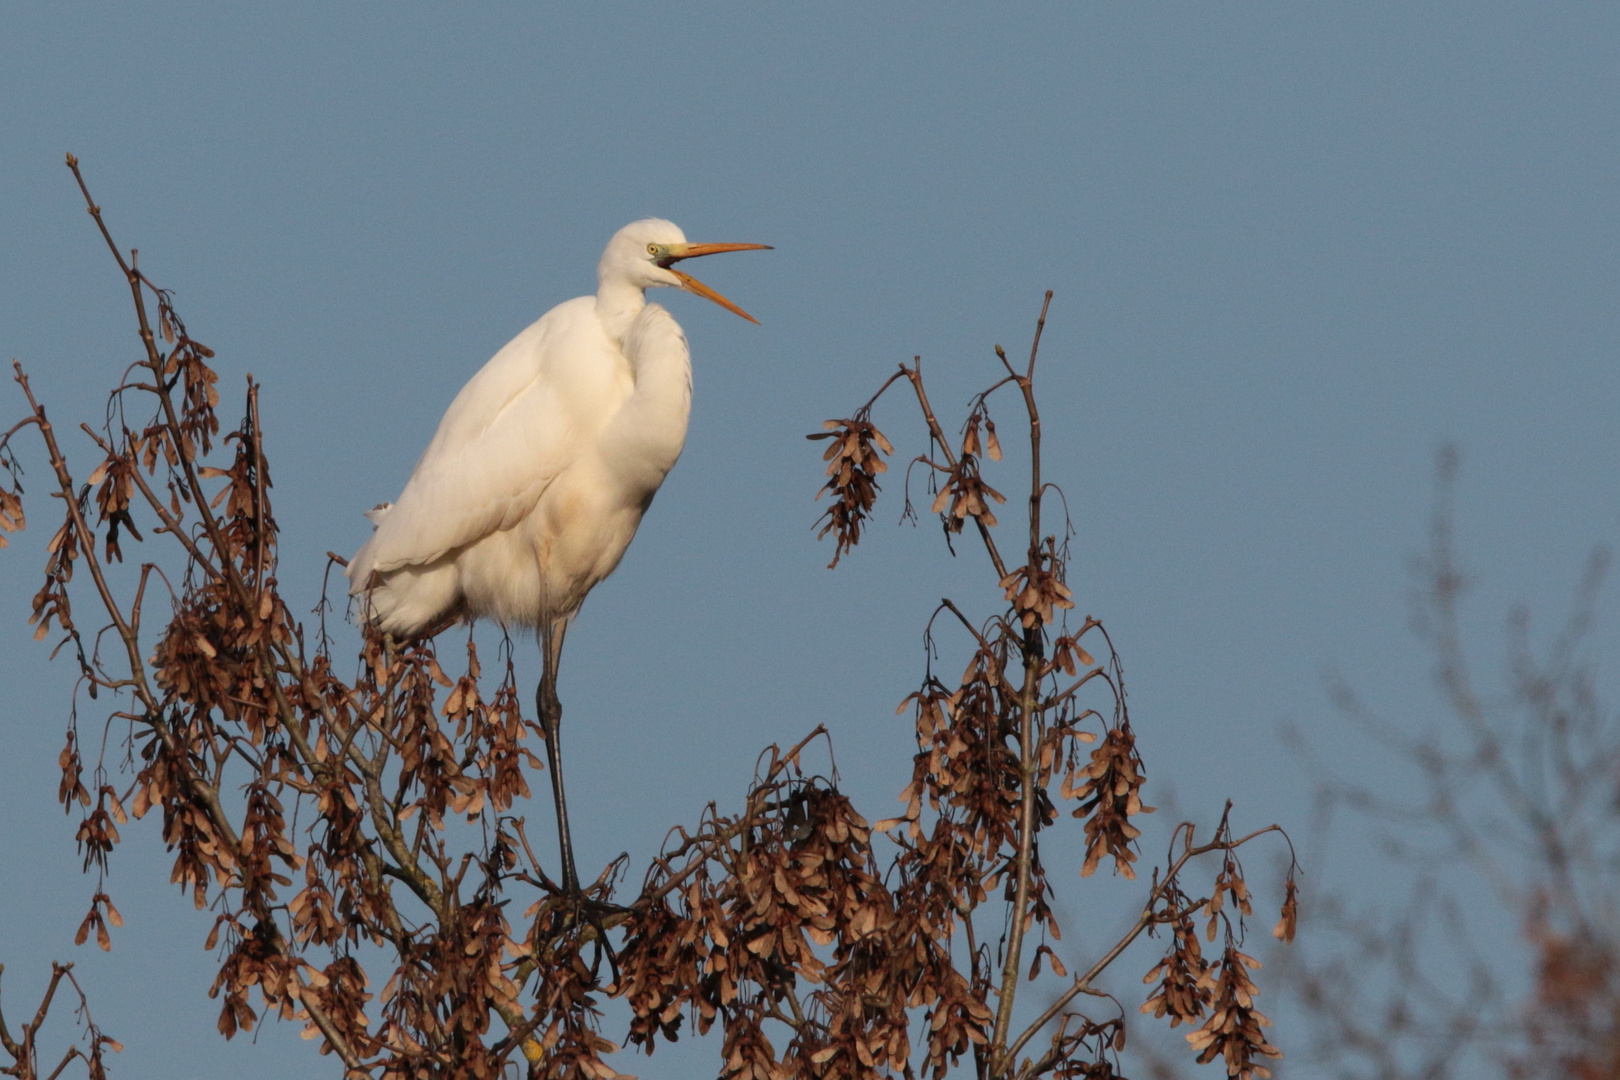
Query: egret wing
502, 441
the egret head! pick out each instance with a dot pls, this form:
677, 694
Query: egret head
643, 254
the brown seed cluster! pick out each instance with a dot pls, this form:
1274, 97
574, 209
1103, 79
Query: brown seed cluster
854, 457
1109, 789
784, 924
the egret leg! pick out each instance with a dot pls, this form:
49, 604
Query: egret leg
550, 709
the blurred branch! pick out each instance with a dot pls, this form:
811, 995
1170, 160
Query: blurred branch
1513, 814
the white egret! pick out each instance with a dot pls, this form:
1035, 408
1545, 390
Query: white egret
541, 468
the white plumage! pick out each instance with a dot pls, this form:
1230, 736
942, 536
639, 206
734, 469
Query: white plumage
538, 475
540, 471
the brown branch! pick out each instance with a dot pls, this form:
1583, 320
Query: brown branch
154, 361
1035, 346
915, 375
1028, 715
64, 481
205, 793
1083, 983
260, 507
167, 521
325, 1024
886, 384
1025, 855
946, 605
6, 1040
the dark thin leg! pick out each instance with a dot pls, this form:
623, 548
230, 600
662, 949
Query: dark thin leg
550, 708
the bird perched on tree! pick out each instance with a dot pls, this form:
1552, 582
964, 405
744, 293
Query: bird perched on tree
541, 468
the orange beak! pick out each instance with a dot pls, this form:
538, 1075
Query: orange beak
677, 252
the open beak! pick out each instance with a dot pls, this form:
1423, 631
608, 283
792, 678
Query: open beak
677, 252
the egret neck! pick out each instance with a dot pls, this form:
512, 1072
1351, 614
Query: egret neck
618, 302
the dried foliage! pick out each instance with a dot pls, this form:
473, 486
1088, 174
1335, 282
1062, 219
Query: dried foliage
310, 813
1016, 729
23, 1050
1503, 809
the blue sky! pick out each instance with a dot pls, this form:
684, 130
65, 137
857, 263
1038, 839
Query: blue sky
1295, 248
